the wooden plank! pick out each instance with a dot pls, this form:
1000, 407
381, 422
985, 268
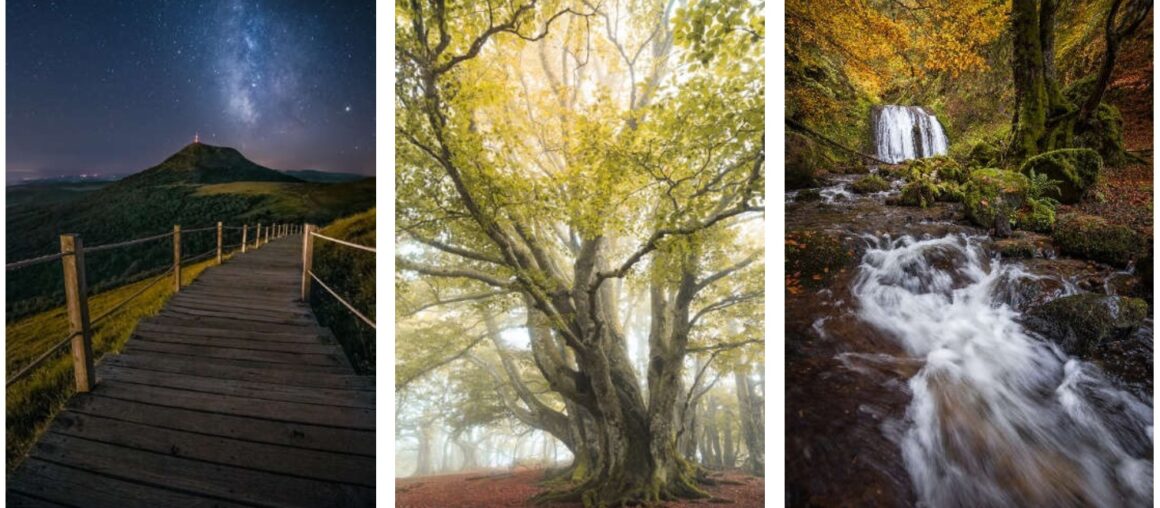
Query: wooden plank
17, 500
176, 319
318, 465
231, 482
166, 327
280, 357
334, 416
226, 294
196, 300
313, 437
77, 487
240, 316
259, 345
143, 348
251, 389
187, 365
286, 311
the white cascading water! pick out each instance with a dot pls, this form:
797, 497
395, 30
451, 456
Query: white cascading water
998, 417
907, 132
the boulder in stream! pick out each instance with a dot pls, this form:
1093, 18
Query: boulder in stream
1092, 237
992, 196
1081, 324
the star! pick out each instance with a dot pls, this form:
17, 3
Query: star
347, 109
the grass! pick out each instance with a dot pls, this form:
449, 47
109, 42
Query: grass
349, 272
33, 401
297, 199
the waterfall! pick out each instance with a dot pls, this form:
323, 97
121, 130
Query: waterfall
907, 132
998, 416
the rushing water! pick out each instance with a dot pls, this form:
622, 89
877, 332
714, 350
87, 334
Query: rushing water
998, 416
907, 132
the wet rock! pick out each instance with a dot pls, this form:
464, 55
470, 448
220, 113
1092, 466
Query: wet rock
812, 258
1080, 324
804, 161
1024, 293
1092, 237
807, 195
1016, 248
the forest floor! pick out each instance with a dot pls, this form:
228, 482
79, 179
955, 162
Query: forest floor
483, 488
1123, 194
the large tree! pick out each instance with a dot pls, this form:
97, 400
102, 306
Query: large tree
549, 150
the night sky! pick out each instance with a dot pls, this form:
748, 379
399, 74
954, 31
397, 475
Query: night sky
114, 87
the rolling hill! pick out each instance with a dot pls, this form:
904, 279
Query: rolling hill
196, 187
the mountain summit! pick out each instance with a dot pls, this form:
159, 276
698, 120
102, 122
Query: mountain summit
199, 163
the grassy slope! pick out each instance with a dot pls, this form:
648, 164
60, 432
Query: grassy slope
298, 199
33, 401
351, 273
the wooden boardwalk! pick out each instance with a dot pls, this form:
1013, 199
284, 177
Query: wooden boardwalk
231, 396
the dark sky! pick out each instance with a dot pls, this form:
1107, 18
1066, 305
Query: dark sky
117, 86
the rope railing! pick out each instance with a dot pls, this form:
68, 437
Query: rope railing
76, 298
29, 262
343, 242
128, 242
115, 308
342, 301
40, 359
308, 275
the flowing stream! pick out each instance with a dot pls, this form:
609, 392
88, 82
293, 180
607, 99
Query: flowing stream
907, 132
997, 416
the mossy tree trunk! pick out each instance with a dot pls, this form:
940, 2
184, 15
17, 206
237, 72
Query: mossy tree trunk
1037, 94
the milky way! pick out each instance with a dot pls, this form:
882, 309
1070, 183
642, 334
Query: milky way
114, 87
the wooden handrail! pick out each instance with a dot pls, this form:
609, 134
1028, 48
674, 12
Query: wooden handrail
308, 235
76, 290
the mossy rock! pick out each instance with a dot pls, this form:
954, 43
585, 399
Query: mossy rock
812, 258
1036, 215
1080, 323
991, 195
804, 161
1092, 237
807, 195
920, 194
870, 184
1076, 169
940, 168
1015, 248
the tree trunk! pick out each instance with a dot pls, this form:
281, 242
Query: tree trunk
728, 449
711, 449
1030, 81
423, 466
1114, 35
752, 428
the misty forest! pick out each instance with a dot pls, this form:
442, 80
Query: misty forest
969, 253
579, 261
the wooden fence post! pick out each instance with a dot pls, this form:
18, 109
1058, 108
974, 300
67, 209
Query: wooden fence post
76, 297
219, 248
307, 260
257, 235
244, 228
176, 258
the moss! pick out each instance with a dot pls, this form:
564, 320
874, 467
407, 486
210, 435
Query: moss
919, 193
1037, 215
984, 154
812, 258
993, 194
1104, 132
804, 160
870, 184
1092, 237
1075, 168
939, 169
1080, 323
